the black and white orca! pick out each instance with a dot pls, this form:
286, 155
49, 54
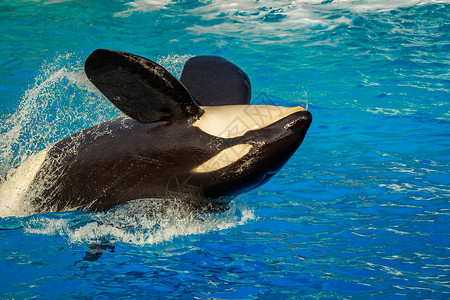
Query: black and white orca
194, 140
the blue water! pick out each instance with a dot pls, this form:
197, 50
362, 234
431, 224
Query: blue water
360, 211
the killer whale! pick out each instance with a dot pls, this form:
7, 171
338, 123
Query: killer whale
195, 140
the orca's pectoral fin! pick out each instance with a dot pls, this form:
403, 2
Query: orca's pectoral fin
140, 88
213, 80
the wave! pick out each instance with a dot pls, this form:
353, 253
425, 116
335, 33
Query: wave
251, 9
269, 18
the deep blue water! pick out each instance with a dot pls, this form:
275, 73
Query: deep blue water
360, 211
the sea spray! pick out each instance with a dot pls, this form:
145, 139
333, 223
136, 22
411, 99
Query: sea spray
139, 222
60, 102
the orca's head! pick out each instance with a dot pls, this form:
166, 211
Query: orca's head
255, 142
231, 146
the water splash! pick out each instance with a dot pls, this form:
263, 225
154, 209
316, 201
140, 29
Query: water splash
139, 222
174, 63
60, 102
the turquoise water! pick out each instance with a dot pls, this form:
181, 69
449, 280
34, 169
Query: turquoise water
360, 211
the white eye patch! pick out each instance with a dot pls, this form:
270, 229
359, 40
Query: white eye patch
224, 158
231, 121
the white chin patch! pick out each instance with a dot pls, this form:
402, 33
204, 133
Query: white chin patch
231, 121
224, 158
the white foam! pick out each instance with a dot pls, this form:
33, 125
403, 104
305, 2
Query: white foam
381, 5
144, 6
268, 19
250, 8
138, 222
385, 111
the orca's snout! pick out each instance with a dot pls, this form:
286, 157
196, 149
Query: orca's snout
299, 122
284, 137
297, 125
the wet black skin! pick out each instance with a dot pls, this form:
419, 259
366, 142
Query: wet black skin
124, 159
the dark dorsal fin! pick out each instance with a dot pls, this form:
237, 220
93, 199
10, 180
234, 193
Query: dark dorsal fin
140, 88
213, 80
